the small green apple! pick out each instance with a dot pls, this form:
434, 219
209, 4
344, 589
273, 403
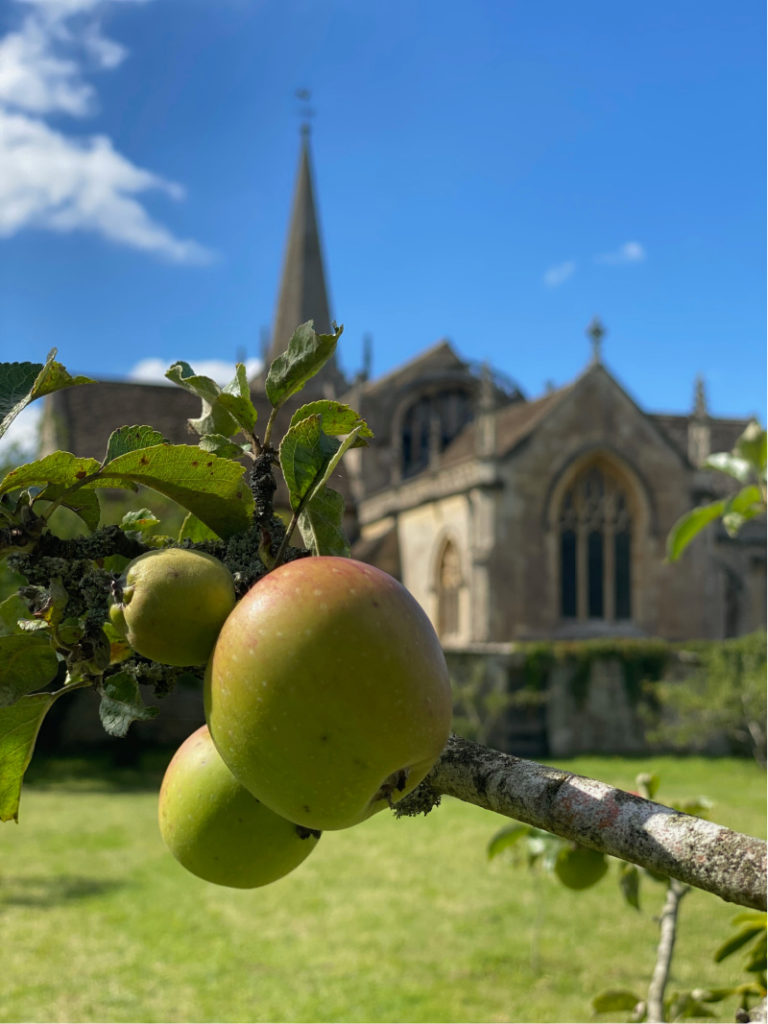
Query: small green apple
216, 829
172, 603
578, 867
327, 693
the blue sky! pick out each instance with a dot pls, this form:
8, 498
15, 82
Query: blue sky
496, 173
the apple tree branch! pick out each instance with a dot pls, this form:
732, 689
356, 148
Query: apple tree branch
692, 850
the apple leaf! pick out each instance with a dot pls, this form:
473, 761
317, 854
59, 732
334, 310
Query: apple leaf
139, 523
629, 884
210, 487
320, 523
22, 383
12, 609
730, 464
689, 525
222, 446
305, 453
193, 530
27, 663
81, 501
19, 726
751, 446
337, 419
236, 399
121, 704
214, 417
743, 506
60, 468
505, 838
132, 439
307, 352
615, 1001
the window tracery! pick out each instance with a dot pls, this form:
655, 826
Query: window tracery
595, 528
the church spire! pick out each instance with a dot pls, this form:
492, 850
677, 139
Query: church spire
303, 294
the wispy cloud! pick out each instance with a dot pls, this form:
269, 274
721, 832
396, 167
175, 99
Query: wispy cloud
61, 181
559, 273
152, 370
629, 252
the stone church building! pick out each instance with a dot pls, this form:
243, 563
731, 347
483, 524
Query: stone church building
509, 518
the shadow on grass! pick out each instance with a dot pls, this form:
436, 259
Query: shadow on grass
48, 891
97, 772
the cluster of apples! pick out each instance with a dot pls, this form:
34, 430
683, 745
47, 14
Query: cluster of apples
326, 694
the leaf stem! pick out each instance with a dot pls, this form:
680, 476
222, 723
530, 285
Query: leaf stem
270, 423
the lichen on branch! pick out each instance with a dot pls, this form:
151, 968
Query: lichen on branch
600, 817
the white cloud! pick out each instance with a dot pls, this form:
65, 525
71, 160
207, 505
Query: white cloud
62, 182
152, 370
629, 252
559, 273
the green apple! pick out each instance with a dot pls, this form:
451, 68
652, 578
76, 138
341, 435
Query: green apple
578, 867
327, 692
170, 605
216, 829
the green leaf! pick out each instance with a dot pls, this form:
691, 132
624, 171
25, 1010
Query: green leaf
689, 525
337, 419
22, 383
730, 464
305, 453
505, 838
307, 352
698, 805
82, 502
222, 446
139, 523
210, 487
19, 726
60, 469
214, 417
12, 609
743, 506
580, 868
132, 439
27, 662
615, 1000
737, 941
320, 524
121, 704
192, 529
757, 961
752, 447
629, 883
757, 917
236, 399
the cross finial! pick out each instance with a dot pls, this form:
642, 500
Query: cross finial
700, 397
596, 333
306, 113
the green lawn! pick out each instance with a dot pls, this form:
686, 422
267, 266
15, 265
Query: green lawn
390, 921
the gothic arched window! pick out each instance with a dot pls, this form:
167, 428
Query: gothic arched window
430, 424
448, 585
595, 529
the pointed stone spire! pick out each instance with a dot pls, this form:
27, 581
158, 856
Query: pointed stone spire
303, 294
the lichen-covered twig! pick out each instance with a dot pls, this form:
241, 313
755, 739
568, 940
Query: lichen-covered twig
594, 814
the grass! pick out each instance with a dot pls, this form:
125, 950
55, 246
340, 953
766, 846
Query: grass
391, 921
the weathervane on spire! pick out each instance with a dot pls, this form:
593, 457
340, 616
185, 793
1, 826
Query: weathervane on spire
596, 333
306, 112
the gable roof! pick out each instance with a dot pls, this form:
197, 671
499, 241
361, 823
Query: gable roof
441, 356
